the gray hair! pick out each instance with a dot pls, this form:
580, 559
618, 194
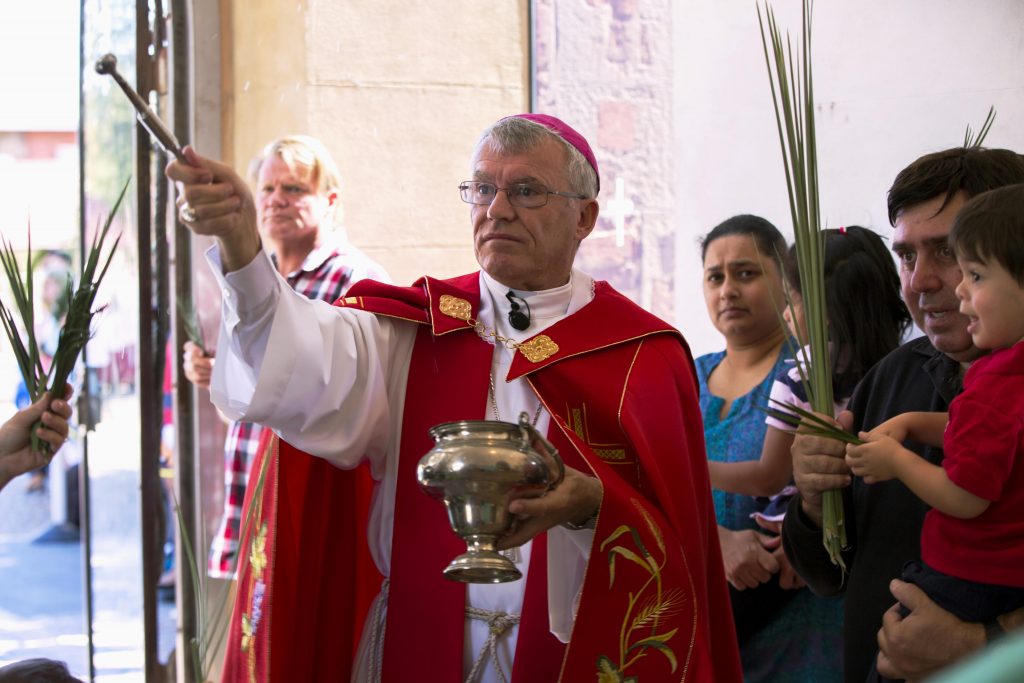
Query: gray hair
515, 136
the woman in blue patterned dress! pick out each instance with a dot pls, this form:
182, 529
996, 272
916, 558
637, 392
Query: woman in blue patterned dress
786, 633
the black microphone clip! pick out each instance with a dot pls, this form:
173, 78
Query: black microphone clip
516, 317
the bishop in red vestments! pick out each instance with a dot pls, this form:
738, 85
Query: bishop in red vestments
618, 396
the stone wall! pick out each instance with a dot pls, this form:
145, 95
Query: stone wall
399, 91
605, 66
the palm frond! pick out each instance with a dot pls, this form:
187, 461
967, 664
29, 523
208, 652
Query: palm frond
790, 76
195, 653
77, 326
191, 324
25, 351
807, 422
212, 627
75, 329
975, 141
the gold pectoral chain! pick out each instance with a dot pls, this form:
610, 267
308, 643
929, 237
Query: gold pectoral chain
494, 403
537, 349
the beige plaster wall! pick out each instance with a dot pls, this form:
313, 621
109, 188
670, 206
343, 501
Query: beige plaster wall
399, 91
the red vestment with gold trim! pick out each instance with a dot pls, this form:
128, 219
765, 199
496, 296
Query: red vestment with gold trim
620, 387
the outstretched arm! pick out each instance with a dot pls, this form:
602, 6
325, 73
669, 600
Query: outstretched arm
883, 458
926, 428
217, 202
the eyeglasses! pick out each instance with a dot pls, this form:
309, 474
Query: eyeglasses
523, 195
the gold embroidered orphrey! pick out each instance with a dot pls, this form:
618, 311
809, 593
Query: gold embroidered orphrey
648, 604
536, 350
614, 454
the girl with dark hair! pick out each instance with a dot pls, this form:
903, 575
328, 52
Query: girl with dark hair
784, 633
866, 318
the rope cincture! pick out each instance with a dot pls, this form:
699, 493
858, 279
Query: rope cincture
377, 624
498, 623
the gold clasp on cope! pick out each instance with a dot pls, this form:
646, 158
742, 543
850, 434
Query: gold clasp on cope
538, 349
454, 307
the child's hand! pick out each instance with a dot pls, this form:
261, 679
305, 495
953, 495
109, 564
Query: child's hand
896, 428
876, 460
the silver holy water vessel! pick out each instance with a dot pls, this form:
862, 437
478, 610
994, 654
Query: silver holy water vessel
475, 467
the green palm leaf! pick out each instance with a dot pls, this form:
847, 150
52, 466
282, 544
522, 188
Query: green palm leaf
791, 81
975, 141
75, 330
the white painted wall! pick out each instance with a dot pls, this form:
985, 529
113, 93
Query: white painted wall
893, 80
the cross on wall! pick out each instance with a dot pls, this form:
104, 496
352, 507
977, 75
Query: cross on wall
618, 208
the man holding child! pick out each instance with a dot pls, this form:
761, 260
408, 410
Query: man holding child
884, 520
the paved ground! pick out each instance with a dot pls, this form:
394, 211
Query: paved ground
41, 597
